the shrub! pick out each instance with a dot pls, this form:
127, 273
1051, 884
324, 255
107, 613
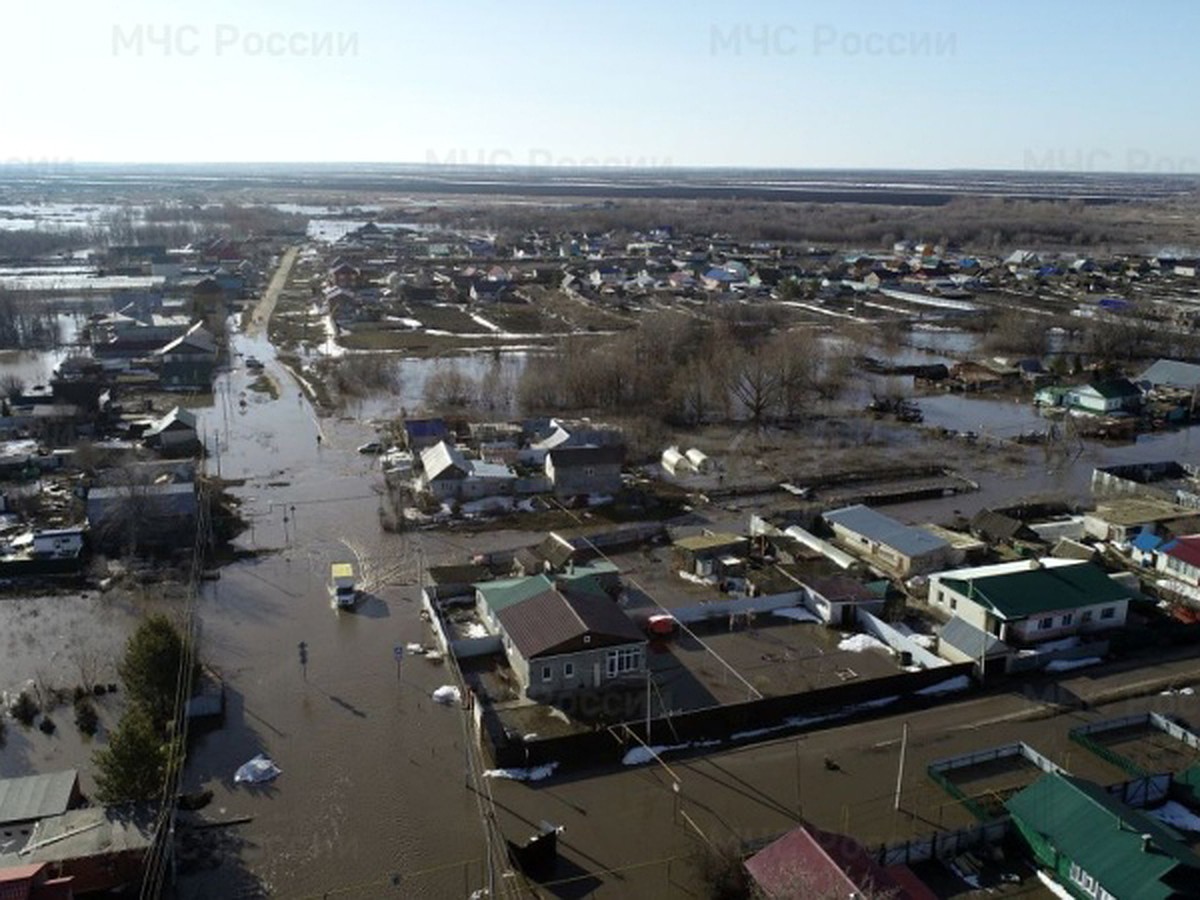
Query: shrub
25, 710
47, 726
86, 718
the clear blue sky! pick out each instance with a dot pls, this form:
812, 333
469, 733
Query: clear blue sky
1105, 86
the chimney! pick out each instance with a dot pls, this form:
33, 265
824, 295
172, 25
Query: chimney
1147, 846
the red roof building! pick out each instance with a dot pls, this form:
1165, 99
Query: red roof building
808, 862
33, 882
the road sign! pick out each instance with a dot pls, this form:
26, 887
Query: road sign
398, 652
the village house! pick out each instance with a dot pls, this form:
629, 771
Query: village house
26, 800
187, 362
1032, 601
1170, 373
33, 882
712, 554
563, 634
837, 599
1121, 520
448, 475
142, 516
1180, 559
175, 432
1118, 395
422, 433
1098, 847
900, 549
574, 471
809, 862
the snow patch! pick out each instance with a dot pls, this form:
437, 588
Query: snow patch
475, 630
859, 643
447, 694
535, 773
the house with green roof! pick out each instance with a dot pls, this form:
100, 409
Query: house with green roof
1097, 847
1105, 397
1032, 600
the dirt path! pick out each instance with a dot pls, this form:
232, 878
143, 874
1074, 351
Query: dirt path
261, 315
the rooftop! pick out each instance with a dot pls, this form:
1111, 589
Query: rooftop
1040, 586
1131, 855
36, 796
905, 539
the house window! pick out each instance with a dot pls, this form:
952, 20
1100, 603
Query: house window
1068, 618
568, 670
1086, 617
589, 471
624, 659
1108, 612
1047, 622
547, 673
953, 602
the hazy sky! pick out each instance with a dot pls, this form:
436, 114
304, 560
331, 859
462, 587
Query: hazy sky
1103, 86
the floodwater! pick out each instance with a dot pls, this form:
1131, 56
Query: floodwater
373, 779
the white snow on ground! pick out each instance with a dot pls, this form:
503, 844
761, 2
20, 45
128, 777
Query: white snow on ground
599, 499
803, 721
1066, 665
921, 640
1183, 692
957, 683
799, 613
490, 326
486, 504
1054, 887
1177, 816
820, 309
972, 880
476, 630
1067, 643
536, 773
858, 643
447, 694
640, 755
707, 581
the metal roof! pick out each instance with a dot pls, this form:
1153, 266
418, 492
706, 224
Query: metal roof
36, 796
545, 621
1172, 373
904, 539
1131, 855
1030, 592
964, 636
82, 833
561, 457
716, 541
440, 458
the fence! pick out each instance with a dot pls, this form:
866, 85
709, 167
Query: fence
939, 767
1152, 720
943, 844
722, 608
1143, 792
733, 723
1034, 661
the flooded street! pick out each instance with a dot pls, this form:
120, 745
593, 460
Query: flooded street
373, 777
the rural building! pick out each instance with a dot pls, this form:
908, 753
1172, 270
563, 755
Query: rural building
563, 634
1120, 521
422, 433
998, 528
100, 849
1180, 559
808, 862
1173, 374
1032, 601
189, 360
58, 543
584, 470
1097, 847
448, 475
143, 515
176, 431
713, 553
554, 554
898, 548
837, 599
1105, 397
25, 801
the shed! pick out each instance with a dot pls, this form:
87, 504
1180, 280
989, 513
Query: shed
34, 797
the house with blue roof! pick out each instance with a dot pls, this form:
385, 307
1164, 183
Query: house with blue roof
892, 546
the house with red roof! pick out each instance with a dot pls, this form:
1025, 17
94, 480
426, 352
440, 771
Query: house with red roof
1180, 559
809, 862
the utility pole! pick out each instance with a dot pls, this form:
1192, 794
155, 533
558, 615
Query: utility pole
900, 772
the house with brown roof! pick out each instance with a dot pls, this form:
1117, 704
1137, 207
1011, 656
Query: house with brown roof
563, 634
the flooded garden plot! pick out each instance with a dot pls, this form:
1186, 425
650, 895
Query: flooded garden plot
1146, 747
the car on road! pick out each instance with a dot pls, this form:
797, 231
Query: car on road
371, 447
253, 362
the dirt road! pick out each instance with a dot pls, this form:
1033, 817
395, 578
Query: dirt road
261, 315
